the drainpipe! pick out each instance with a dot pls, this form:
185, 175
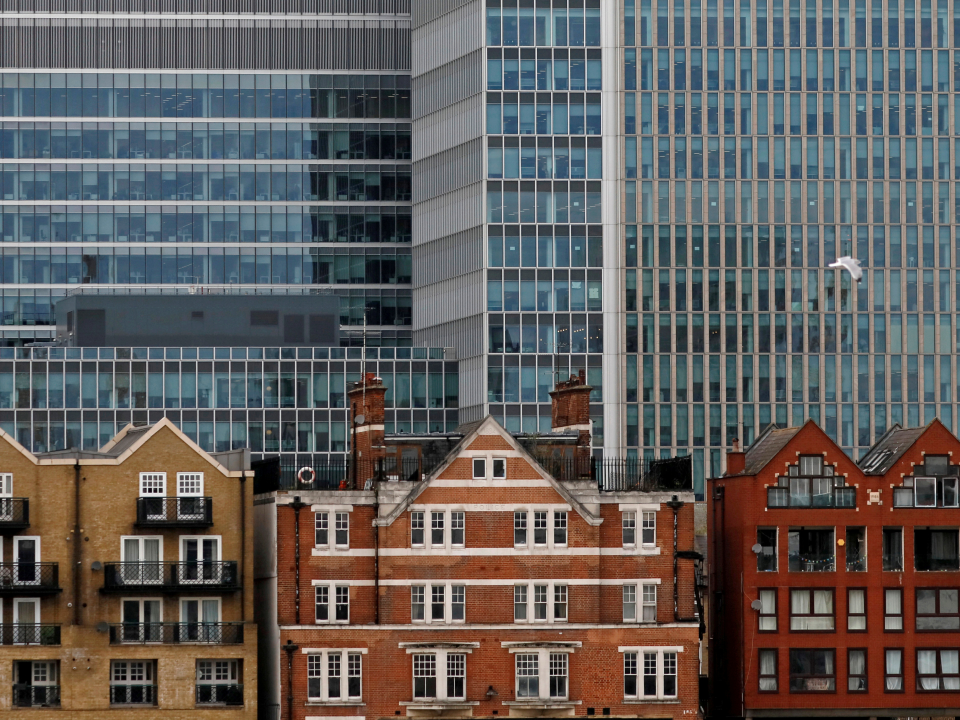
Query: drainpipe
296, 505
77, 541
243, 545
675, 504
290, 649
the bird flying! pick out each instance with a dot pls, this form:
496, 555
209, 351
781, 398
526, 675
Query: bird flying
851, 265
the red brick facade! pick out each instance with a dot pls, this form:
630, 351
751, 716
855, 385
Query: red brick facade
821, 600
492, 567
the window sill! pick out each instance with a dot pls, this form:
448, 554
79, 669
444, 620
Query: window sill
542, 704
438, 704
650, 701
334, 703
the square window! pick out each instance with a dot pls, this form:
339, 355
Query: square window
938, 670
811, 550
812, 671
937, 609
499, 468
479, 468
811, 610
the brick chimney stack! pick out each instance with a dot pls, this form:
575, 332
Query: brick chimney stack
571, 410
736, 459
367, 399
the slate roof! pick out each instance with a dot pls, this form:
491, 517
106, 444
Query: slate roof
889, 448
764, 449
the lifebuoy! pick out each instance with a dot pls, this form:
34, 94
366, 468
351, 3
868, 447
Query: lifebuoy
305, 469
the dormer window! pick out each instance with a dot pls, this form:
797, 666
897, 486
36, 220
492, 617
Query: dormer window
811, 483
936, 483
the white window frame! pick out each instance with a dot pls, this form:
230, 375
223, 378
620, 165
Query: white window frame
150, 677
479, 464
447, 589
543, 654
438, 522
660, 653
630, 599
445, 518
331, 602
341, 517
204, 633
417, 517
210, 667
25, 635
628, 525
551, 600
200, 538
140, 603
6, 484
150, 490
17, 539
188, 478
318, 662
553, 515
495, 473
329, 515
321, 523
560, 523
440, 657
521, 523
646, 602
458, 521
648, 522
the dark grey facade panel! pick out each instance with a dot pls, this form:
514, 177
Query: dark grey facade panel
448, 257
121, 44
448, 171
425, 11
447, 84
272, 7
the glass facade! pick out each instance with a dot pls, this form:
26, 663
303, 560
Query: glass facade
764, 139
290, 401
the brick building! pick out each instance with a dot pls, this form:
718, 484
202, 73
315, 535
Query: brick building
833, 584
126, 580
482, 574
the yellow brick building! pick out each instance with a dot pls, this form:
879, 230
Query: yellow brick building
126, 580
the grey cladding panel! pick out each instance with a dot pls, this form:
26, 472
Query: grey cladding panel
293, 329
92, 327
323, 329
424, 11
296, 7
447, 85
264, 317
448, 171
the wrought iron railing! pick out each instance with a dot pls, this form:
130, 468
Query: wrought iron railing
174, 511
22, 577
36, 695
623, 474
29, 634
342, 473
14, 513
133, 694
200, 575
216, 694
176, 633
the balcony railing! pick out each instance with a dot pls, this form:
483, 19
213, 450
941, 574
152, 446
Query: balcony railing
174, 511
837, 497
25, 696
14, 513
29, 634
176, 633
29, 578
214, 694
172, 577
133, 694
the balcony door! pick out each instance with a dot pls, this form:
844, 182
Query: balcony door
141, 561
200, 560
6, 497
200, 620
190, 502
26, 621
153, 487
141, 621
26, 556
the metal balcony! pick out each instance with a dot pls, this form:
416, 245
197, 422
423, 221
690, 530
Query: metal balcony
29, 579
174, 512
215, 694
14, 513
29, 634
176, 633
171, 577
36, 696
133, 694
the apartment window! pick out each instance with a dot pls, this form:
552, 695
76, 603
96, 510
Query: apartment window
479, 468
938, 670
559, 603
528, 676
893, 669
812, 671
133, 682
936, 549
811, 550
436, 529
811, 484
768, 610
629, 523
857, 670
425, 671
456, 528
440, 675
520, 603
539, 527
499, 468
332, 603
649, 529
559, 528
768, 671
934, 484
417, 603
36, 683
322, 529
558, 676
650, 673
856, 610
458, 602
649, 602
856, 549
153, 484
893, 609
542, 675
520, 528
540, 602
767, 557
189, 484
335, 676
437, 603
342, 536
893, 549
629, 603
416, 529
141, 560
630, 677
811, 610
218, 682
456, 675
447, 603
937, 609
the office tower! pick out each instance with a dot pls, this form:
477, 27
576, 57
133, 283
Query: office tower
517, 243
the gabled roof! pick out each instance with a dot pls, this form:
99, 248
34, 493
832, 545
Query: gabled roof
475, 428
765, 448
890, 448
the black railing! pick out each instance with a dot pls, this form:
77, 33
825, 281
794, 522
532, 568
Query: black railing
21, 578
341, 473
133, 694
175, 511
36, 696
176, 633
623, 474
14, 513
180, 577
214, 694
29, 634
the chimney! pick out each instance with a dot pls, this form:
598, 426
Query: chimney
736, 459
366, 419
571, 410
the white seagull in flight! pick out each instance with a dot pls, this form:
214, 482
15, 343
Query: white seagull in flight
851, 265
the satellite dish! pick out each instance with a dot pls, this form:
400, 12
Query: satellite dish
102, 627
757, 547
96, 565
756, 605
358, 420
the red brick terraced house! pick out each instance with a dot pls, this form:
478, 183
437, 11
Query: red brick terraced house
485, 586
834, 585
